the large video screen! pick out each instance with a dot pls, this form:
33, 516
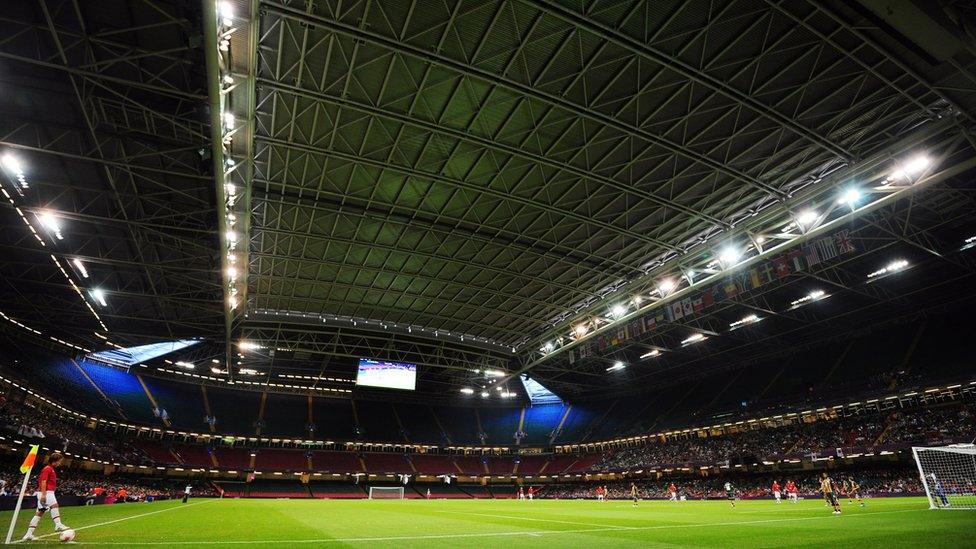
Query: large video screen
390, 375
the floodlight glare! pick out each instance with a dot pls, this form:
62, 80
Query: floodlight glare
467, 391
693, 338
849, 197
50, 222
618, 365
12, 163
729, 255
580, 330
248, 345
485, 394
665, 287
80, 266
807, 218
911, 167
98, 295
618, 311
746, 320
651, 353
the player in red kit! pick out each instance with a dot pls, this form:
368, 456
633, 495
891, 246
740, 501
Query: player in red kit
791, 491
531, 493
47, 483
776, 492
673, 490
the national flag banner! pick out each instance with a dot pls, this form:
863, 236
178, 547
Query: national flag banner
708, 298
844, 243
687, 307
29, 459
572, 356
754, 280
782, 266
796, 260
811, 255
677, 311
826, 248
650, 323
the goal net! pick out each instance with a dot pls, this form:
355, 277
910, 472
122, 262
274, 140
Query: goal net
949, 475
386, 492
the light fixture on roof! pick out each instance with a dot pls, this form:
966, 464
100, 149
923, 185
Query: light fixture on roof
228, 79
729, 255
217, 371
248, 345
580, 330
693, 338
494, 373
911, 167
618, 365
467, 391
652, 353
80, 266
849, 197
249, 371
548, 347
231, 236
485, 394
98, 295
812, 296
51, 223
807, 218
229, 120
507, 394
232, 301
666, 286
618, 311
226, 12
894, 266
745, 320
185, 364
13, 165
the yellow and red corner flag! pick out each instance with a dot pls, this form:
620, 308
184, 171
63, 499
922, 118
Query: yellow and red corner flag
29, 459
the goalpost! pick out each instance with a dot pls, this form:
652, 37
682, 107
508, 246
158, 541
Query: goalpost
386, 492
948, 474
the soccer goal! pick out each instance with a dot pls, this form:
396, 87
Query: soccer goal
386, 492
949, 475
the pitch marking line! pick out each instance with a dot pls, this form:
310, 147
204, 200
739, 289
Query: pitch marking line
537, 533
533, 519
106, 523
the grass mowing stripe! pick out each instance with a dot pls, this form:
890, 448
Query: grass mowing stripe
106, 523
536, 533
532, 519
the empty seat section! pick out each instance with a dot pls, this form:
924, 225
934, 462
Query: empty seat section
62, 380
232, 489
501, 465
336, 462
500, 424
264, 488
377, 422
475, 490
470, 465
156, 451
285, 416
236, 411
193, 455
419, 423
233, 458
123, 388
281, 460
504, 491
559, 463
584, 463
333, 419
433, 464
182, 401
577, 424
541, 422
386, 463
459, 422
335, 490
531, 465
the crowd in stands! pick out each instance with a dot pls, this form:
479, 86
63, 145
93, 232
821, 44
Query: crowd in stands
874, 483
38, 426
952, 424
108, 488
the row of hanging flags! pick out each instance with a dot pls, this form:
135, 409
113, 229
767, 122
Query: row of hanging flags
796, 260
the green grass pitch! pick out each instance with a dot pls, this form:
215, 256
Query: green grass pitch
896, 522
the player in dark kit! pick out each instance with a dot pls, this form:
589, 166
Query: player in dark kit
47, 483
730, 493
829, 492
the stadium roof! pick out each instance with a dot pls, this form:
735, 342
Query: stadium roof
464, 184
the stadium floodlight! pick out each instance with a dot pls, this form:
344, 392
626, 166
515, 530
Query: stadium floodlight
12, 163
807, 218
892, 267
849, 197
185, 364
666, 286
248, 371
548, 347
229, 120
507, 394
217, 371
618, 311
651, 353
911, 167
232, 272
232, 301
467, 391
80, 266
618, 365
51, 223
729, 255
812, 296
580, 330
98, 295
693, 338
494, 373
485, 394
745, 320
248, 345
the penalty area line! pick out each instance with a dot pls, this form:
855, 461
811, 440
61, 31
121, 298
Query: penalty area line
534, 533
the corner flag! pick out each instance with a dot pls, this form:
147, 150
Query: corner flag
29, 460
